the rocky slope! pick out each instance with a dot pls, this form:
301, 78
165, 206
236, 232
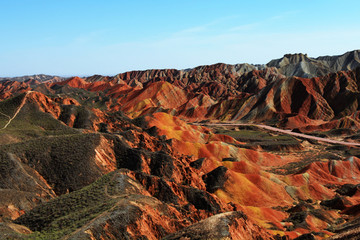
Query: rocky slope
301, 65
304, 104
131, 156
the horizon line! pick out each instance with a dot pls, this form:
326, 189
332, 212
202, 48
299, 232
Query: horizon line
183, 69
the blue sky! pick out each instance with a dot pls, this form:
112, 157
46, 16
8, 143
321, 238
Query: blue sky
79, 37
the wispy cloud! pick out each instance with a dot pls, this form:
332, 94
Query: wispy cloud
205, 27
264, 22
90, 36
244, 27
284, 15
192, 30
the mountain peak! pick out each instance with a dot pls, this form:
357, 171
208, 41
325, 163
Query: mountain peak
301, 65
290, 55
289, 59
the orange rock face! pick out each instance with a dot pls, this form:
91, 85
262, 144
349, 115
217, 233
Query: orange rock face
319, 103
183, 179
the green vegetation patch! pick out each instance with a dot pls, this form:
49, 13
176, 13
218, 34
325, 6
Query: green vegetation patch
66, 161
31, 122
65, 214
9, 106
86, 98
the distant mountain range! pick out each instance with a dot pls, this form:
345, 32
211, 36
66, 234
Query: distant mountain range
299, 65
37, 78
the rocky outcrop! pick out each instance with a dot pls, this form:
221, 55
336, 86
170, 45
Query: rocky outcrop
9, 88
230, 225
301, 65
215, 179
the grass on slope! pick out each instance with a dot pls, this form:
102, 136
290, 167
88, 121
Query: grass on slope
84, 97
64, 161
9, 106
30, 122
65, 214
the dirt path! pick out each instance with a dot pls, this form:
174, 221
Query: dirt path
17, 111
289, 132
5, 115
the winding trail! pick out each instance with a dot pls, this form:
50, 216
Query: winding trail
17, 111
289, 132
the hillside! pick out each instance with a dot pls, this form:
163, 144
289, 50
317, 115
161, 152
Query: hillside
214, 152
301, 65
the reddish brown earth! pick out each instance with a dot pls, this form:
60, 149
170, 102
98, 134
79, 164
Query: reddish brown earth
133, 156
